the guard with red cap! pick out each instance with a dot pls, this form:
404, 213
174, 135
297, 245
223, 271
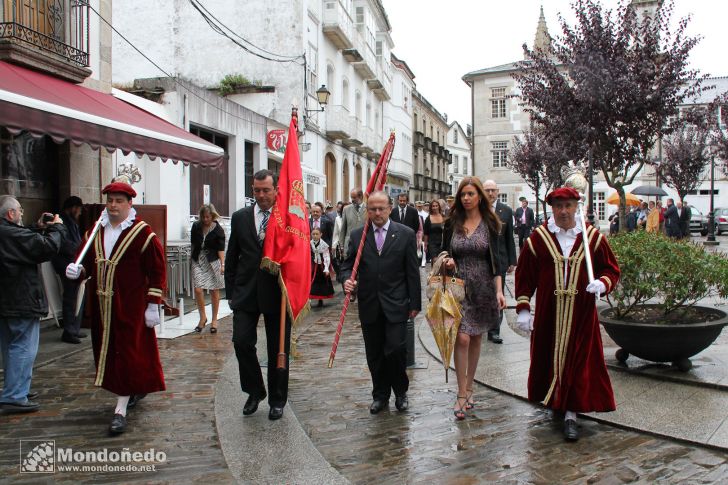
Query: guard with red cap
126, 268
567, 372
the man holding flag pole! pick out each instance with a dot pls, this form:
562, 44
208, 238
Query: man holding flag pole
268, 272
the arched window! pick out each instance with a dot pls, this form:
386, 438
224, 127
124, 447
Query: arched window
357, 105
330, 81
345, 102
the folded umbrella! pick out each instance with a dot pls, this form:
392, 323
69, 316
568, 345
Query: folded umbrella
444, 316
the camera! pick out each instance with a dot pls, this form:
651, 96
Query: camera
48, 217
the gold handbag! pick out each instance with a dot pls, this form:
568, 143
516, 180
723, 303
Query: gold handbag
439, 280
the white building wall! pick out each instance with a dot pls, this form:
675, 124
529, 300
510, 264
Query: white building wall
462, 155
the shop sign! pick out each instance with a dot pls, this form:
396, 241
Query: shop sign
276, 140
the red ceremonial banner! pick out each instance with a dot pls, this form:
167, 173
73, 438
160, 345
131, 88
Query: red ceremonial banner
286, 250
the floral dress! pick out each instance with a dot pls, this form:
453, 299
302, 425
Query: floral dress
480, 306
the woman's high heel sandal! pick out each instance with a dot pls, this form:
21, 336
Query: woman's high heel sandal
200, 326
459, 408
470, 404
213, 327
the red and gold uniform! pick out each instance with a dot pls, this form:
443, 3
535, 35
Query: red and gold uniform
122, 284
567, 371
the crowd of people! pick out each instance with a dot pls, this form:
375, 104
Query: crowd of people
673, 220
474, 229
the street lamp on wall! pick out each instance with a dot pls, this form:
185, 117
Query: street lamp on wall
322, 96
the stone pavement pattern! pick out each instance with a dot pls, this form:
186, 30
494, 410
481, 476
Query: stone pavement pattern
179, 422
502, 440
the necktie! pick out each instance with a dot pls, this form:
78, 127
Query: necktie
379, 238
263, 225
401, 215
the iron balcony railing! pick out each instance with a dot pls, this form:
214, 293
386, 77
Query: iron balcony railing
60, 27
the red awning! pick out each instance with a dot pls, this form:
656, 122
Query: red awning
44, 105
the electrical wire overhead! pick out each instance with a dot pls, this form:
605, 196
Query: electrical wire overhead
222, 29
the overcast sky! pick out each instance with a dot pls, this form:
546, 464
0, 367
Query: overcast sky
443, 40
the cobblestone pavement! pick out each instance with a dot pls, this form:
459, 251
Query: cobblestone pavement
503, 440
179, 422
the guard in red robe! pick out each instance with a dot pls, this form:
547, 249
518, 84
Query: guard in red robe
127, 269
568, 373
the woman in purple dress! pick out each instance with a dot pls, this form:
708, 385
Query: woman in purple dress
471, 239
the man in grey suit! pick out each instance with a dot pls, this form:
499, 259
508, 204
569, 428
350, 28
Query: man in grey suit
389, 294
507, 246
352, 217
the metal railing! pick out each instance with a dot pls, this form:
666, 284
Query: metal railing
60, 27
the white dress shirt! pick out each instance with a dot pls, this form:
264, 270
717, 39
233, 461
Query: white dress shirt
111, 234
566, 239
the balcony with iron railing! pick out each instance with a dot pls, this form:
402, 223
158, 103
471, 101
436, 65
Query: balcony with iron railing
48, 36
419, 139
338, 26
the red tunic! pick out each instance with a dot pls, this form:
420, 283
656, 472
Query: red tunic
125, 349
567, 371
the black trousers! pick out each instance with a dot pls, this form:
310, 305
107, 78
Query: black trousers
245, 337
71, 321
496, 330
523, 233
386, 350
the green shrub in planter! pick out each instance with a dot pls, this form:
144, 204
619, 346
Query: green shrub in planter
674, 274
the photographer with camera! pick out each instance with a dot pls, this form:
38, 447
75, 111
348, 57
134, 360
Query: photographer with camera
22, 301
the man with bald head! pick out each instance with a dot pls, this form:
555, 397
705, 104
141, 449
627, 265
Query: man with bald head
388, 287
506, 243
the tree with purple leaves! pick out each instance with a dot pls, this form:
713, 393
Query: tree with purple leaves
538, 160
687, 153
609, 83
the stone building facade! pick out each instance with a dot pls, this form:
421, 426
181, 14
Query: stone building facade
430, 155
458, 143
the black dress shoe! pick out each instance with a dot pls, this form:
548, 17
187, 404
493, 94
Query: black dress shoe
251, 405
118, 424
81, 335
276, 412
134, 400
570, 431
70, 339
32, 395
495, 338
377, 406
401, 402
20, 407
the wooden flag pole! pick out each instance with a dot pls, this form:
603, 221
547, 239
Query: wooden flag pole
281, 364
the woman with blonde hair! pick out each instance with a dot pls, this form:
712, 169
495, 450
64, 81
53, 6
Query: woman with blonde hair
471, 239
208, 263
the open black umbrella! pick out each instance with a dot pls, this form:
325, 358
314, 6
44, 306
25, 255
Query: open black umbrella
649, 190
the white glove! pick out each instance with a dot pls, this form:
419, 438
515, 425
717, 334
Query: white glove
73, 271
151, 315
525, 321
596, 287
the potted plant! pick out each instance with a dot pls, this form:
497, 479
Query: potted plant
653, 312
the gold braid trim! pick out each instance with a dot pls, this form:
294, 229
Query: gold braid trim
146, 243
105, 270
558, 260
530, 246
608, 282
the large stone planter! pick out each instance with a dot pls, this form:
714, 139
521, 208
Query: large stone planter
673, 343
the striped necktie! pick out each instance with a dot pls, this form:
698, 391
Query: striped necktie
263, 225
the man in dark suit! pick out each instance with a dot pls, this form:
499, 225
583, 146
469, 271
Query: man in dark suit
321, 222
672, 220
524, 222
251, 292
70, 214
684, 215
506, 246
404, 214
389, 294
